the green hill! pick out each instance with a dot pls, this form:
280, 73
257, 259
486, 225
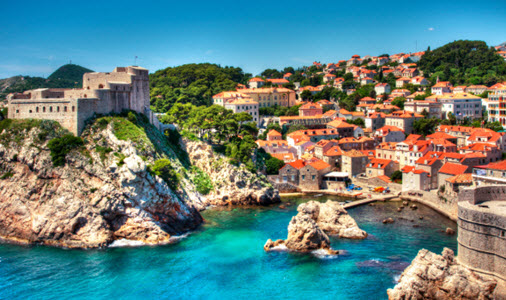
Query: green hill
70, 72
192, 83
67, 76
464, 62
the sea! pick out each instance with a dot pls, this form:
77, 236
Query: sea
225, 259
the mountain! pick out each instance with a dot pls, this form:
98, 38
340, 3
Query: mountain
67, 76
464, 62
71, 72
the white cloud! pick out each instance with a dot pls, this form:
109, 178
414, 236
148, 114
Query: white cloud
430, 29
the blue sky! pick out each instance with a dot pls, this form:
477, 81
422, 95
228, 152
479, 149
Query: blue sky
39, 36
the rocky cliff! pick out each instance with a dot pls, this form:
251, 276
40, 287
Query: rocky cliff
432, 276
103, 192
233, 185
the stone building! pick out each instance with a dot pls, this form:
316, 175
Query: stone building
353, 162
125, 88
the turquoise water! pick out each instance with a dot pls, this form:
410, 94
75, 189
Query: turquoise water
225, 260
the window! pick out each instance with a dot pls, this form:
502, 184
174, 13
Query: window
73, 108
44, 109
58, 109
303, 177
50, 109
65, 109
313, 177
17, 111
37, 109
30, 111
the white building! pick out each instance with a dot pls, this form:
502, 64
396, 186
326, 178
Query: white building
244, 105
461, 105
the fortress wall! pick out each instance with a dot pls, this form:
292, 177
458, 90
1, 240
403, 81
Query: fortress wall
64, 111
482, 230
483, 193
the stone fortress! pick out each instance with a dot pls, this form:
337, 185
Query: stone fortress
482, 231
125, 88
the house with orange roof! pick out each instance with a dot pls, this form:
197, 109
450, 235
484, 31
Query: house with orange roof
354, 60
419, 80
276, 146
492, 173
489, 150
415, 179
343, 128
271, 96
454, 183
485, 135
287, 76
314, 135
273, 135
400, 93
410, 72
278, 82
305, 175
449, 170
284, 156
367, 100
256, 82
476, 89
360, 143
459, 132
354, 162
382, 88
389, 133
403, 119
247, 105
432, 109
408, 152
459, 89
310, 109
289, 173
374, 120
441, 87
379, 167
431, 162
329, 78
462, 105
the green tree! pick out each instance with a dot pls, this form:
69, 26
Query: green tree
273, 165
399, 101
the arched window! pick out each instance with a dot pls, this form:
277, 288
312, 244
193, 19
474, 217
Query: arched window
65, 109
100, 86
57, 109
44, 109
50, 109
37, 109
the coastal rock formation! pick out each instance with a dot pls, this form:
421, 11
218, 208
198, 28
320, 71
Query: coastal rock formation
433, 276
333, 219
308, 230
97, 197
304, 235
232, 185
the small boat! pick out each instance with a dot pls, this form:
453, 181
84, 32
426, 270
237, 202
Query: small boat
319, 195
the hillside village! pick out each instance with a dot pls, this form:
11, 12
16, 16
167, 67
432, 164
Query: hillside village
384, 140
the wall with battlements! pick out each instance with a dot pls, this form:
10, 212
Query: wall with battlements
482, 230
126, 88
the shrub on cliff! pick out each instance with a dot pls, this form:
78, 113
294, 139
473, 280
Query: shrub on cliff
203, 183
164, 169
60, 147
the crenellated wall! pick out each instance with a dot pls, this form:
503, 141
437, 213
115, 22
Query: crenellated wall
482, 230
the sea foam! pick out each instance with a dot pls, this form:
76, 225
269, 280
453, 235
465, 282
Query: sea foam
323, 254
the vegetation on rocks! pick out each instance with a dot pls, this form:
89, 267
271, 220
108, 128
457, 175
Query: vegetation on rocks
60, 147
164, 170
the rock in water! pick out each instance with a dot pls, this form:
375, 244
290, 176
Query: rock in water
304, 235
388, 221
432, 276
450, 231
333, 219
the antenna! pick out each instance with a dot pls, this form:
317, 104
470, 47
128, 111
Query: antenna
135, 61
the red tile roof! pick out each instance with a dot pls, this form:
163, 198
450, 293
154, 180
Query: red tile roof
453, 169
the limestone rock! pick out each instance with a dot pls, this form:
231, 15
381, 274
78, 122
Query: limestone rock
450, 231
232, 185
432, 276
304, 235
388, 221
91, 200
